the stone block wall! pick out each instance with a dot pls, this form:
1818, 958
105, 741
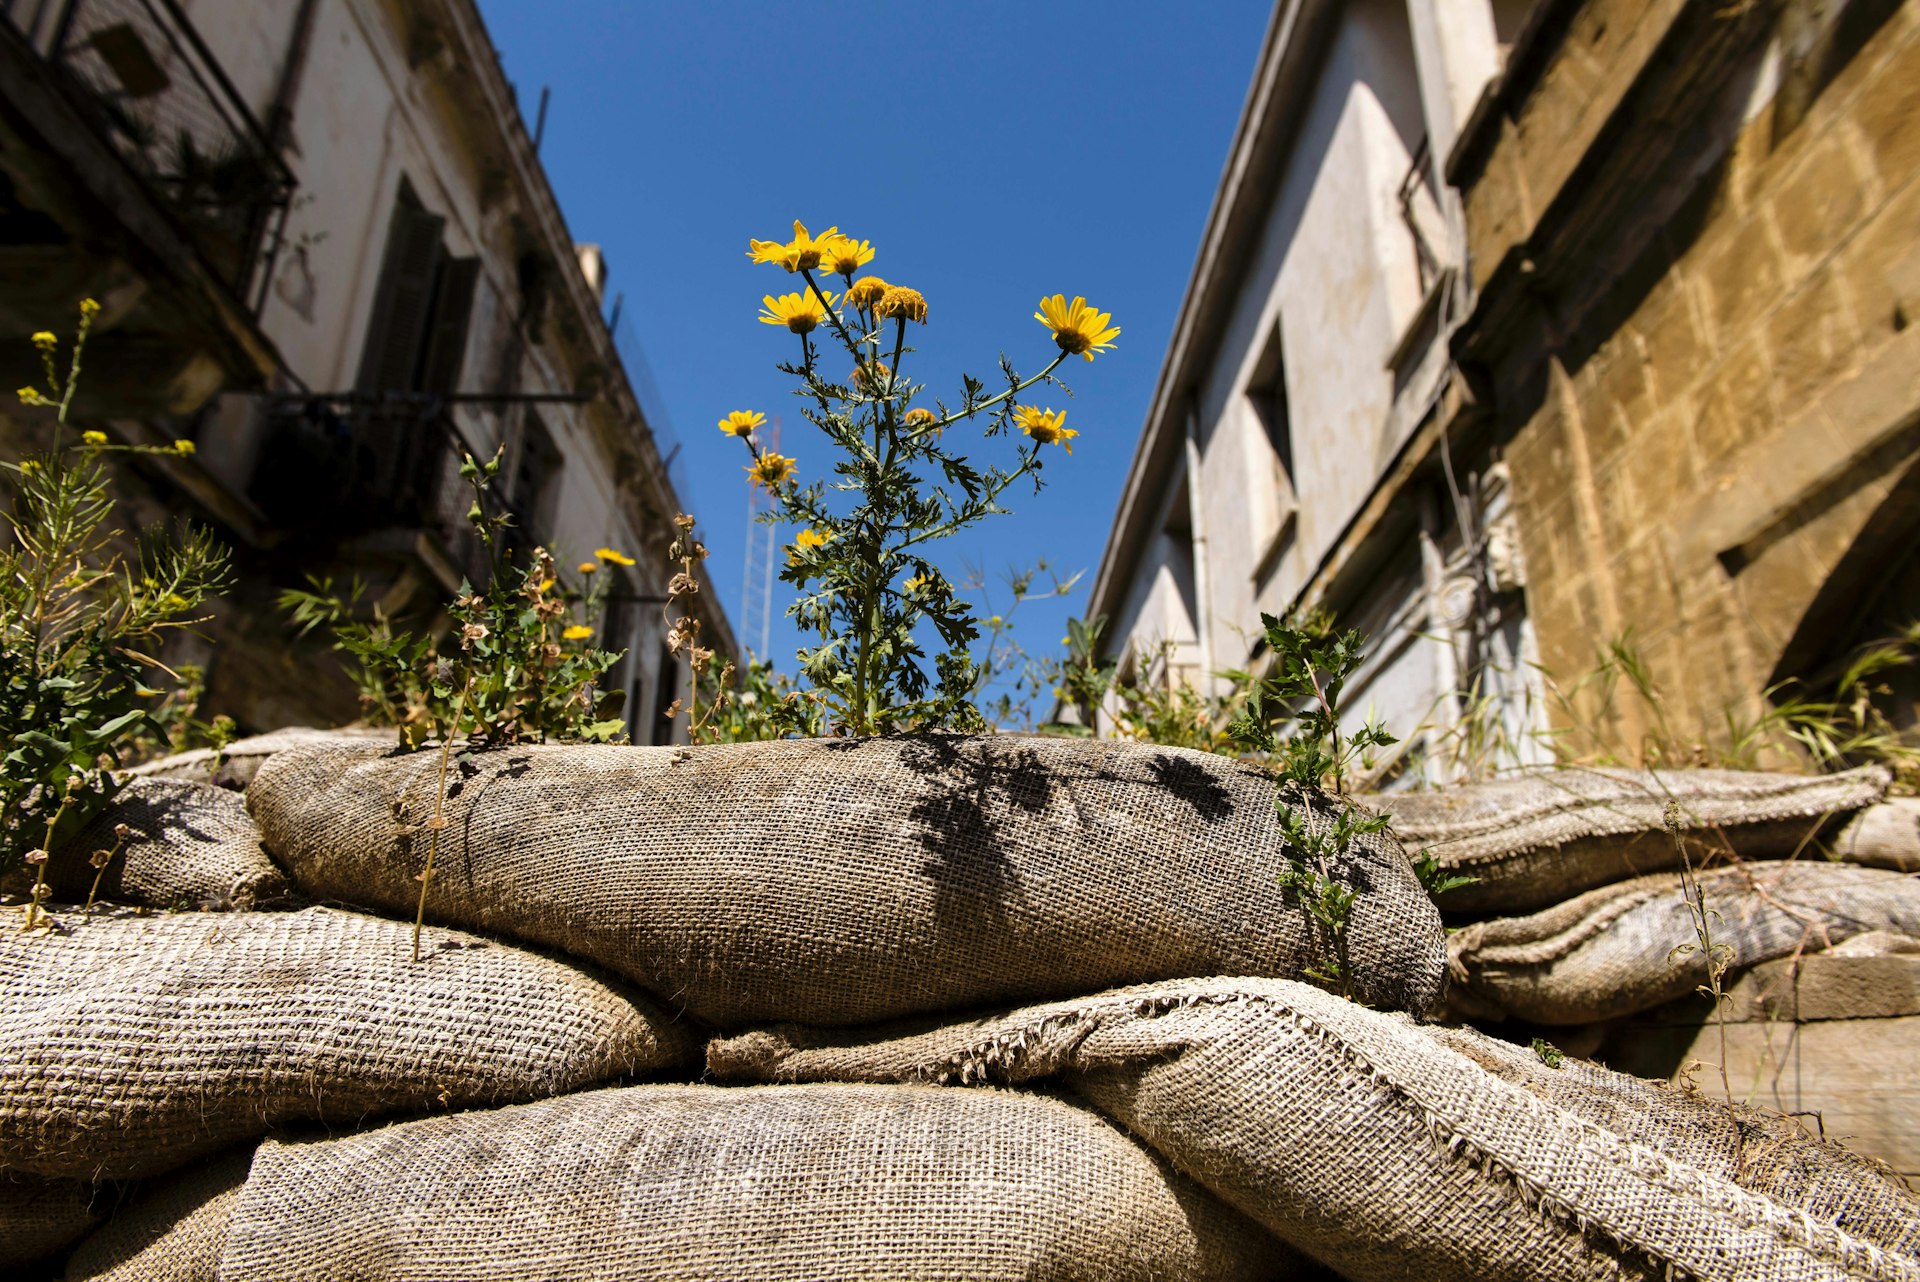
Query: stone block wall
1694, 229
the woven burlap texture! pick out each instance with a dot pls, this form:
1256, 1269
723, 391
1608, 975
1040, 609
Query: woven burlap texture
1762, 1151
39, 1218
1361, 1138
699, 1182
235, 765
191, 845
1542, 836
1633, 946
847, 881
130, 1045
171, 1229
1883, 836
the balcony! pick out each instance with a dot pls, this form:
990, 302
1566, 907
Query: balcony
127, 154
376, 474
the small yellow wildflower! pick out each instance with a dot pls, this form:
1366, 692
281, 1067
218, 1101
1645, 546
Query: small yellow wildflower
45, 341
29, 466
801, 253
741, 422
902, 302
1045, 426
806, 541
870, 376
918, 583
920, 416
95, 439
29, 396
612, 557
798, 312
578, 632
1077, 328
846, 255
588, 567
866, 291
89, 307
183, 447
771, 470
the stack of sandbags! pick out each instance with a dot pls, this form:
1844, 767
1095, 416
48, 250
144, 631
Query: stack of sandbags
1380, 1148
1616, 895
848, 881
235, 765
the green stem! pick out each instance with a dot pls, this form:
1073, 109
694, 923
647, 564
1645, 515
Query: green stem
1007, 395
853, 349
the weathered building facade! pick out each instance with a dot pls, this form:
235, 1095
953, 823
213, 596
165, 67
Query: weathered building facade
329, 256
1522, 331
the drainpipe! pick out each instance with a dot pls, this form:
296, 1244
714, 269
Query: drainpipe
1202, 569
279, 116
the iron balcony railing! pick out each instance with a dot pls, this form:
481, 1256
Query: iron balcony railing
339, 467
144, 77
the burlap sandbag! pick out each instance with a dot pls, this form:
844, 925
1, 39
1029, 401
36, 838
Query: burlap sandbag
845, 881
698, 1182
171, 1229
1632, 946
235, 765
1365, 1140
1764, 1152
1540, 837
189, 845
40, 1218
1883, 836
130, 1045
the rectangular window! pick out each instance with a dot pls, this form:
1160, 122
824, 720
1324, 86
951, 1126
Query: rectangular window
417, 335
1267, 393
533, 477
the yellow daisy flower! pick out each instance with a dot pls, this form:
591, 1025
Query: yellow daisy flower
578, 632
95, 439
771, 470
612, 557
798, 312
846, 255
588, 567
903, 302
1077, 328
866, 291
917, 583
1045, 426
802, 252
45, 341
741, 422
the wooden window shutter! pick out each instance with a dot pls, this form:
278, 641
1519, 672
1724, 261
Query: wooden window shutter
447, 336
402, 307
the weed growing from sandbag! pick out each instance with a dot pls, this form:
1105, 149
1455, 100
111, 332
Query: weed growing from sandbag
1718, 956
865, 586
79, 621
683, 634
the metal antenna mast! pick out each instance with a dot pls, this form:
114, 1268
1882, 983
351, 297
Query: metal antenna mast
756, 592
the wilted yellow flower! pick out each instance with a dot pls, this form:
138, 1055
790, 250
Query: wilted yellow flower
578, 632
866, 291
803, 251
183, 447
93, 438
920, 416
771, 470
45, 341
846, 255
89, 307
1077, 328
588, 567
798, 312
903, 302
869, 376
1045, 426
741, 422
612, 557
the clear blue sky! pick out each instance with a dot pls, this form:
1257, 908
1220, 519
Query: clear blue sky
992, 152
